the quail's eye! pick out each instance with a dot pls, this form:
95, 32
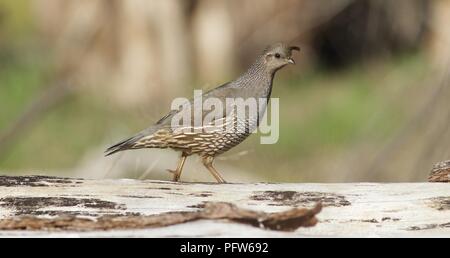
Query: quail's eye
277, 55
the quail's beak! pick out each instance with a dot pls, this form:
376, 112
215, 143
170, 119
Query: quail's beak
290, 60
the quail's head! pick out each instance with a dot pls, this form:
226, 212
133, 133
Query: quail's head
278, 55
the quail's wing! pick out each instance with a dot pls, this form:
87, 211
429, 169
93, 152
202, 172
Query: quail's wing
165, 125
187, 110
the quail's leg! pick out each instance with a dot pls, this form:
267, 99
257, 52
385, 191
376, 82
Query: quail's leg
177, 171
208, 163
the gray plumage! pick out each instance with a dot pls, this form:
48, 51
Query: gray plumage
256, 83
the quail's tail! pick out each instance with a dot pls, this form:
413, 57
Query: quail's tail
123, 145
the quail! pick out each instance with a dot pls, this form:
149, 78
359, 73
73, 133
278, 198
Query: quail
221, 135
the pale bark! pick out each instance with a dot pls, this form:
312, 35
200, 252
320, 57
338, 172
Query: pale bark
352, 209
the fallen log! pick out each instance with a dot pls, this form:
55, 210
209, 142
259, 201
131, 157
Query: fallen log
54, 206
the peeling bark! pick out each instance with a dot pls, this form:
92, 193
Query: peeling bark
283, 221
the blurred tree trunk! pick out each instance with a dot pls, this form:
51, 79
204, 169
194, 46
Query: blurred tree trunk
214, 40
145, 51
425, 139
440, 33
155, 50
139, 50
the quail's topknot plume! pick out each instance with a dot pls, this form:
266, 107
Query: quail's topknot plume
226, 132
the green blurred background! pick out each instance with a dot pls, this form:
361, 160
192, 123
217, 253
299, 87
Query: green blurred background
367, 101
